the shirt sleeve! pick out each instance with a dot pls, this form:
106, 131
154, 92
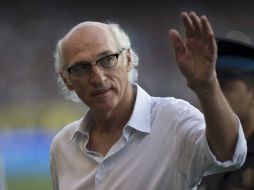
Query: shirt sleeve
195, 156
212, 165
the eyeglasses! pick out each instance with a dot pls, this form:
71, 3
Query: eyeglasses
106, 62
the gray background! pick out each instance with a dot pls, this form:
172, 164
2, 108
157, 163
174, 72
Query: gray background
30, 29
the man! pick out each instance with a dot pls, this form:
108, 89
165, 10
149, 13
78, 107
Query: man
235, 71
130, 140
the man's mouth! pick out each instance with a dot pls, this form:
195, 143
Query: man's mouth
100, 92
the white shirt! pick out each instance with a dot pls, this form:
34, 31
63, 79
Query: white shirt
163, 147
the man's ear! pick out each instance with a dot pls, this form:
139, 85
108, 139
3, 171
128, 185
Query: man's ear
129, 60
67, 82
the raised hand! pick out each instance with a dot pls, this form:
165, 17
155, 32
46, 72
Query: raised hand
197, 54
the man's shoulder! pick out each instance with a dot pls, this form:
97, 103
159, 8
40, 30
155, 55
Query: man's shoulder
171, 103
176, 108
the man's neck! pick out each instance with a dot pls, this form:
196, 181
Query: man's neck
108, 127
116, 119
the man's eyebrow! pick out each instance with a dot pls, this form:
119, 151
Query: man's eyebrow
79, 62
104, 53
98, 57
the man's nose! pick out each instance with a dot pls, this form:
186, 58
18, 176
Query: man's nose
97, 74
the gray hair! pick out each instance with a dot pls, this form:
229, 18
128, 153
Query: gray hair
123, 40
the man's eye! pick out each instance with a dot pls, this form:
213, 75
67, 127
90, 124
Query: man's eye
80, 68
107, 61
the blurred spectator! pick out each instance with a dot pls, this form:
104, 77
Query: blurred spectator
235, 70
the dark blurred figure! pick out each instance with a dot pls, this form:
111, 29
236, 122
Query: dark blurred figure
235, 70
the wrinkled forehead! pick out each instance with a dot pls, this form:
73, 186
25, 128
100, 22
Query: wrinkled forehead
89, 35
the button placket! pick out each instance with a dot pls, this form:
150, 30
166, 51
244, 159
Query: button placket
100, 175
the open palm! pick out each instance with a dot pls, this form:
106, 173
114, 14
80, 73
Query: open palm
196, 56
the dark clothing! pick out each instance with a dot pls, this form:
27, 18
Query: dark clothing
235, 180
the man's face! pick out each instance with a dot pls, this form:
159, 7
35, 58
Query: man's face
239, 96
101, 89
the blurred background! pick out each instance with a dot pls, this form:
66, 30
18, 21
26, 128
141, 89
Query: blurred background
31, 109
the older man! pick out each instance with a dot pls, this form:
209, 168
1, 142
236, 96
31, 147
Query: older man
130, 140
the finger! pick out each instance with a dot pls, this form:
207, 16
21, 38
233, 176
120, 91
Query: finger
177, 42
196, 23
212, 45
207, 28
188, 25
208, 34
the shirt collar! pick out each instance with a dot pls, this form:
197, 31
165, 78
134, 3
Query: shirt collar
140, 118
83, 126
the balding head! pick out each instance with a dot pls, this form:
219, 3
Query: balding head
89, 27
86, 40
